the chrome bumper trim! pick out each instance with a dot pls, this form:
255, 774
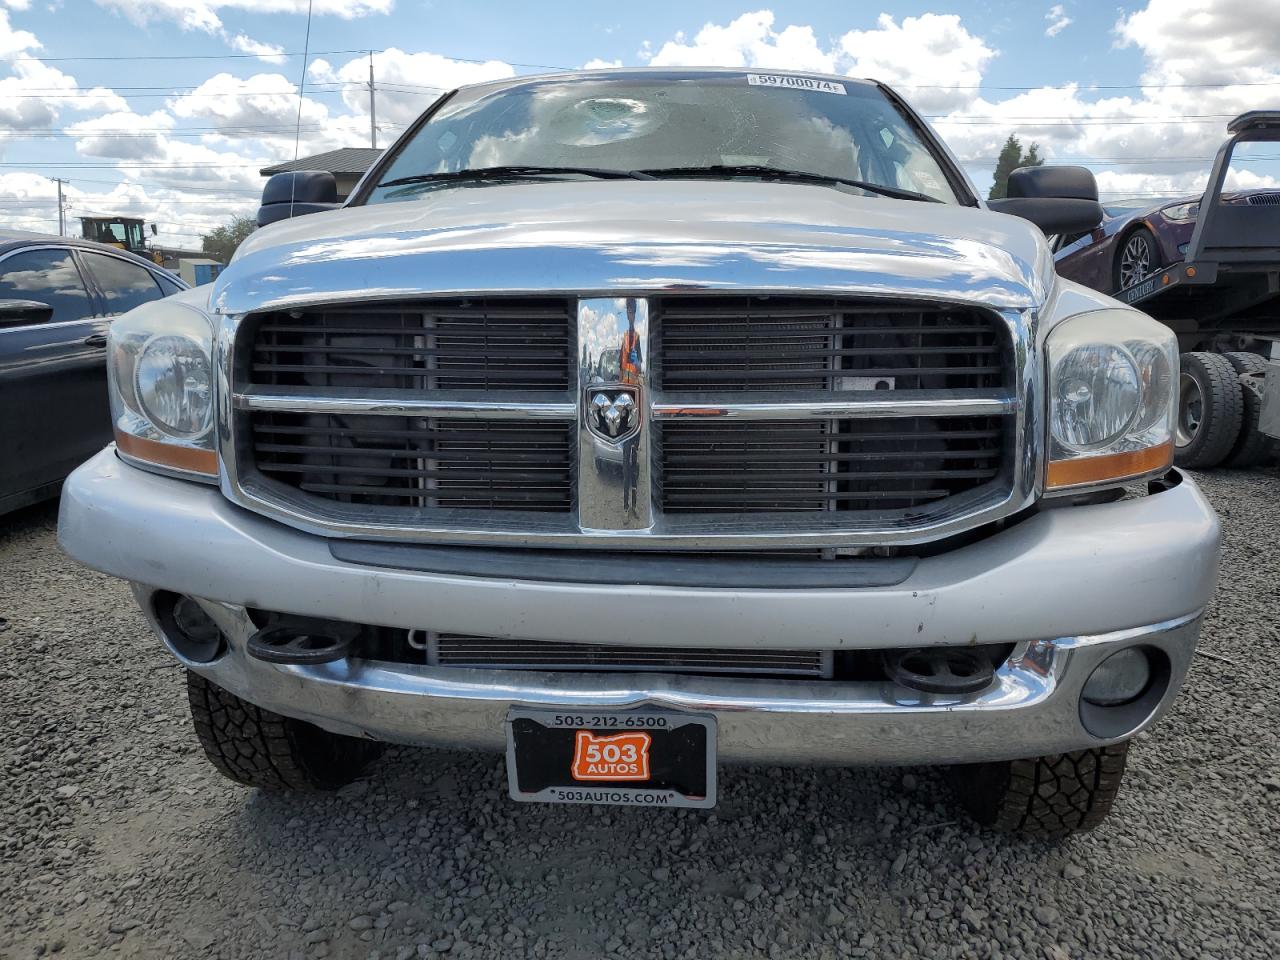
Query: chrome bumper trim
1032, 708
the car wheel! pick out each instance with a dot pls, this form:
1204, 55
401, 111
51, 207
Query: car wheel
1049, 797
259, 748
1210, 410
1138, 258
1252, 446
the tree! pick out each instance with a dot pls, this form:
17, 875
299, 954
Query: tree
221, 243
1010, 159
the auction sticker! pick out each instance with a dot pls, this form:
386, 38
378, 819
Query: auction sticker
795, 83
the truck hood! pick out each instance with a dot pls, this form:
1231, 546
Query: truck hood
639, 236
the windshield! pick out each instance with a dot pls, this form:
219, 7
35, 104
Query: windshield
837, 129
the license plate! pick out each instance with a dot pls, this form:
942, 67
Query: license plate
658, 758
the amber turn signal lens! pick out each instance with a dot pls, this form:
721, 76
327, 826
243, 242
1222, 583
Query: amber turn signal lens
1108, 466
168, 454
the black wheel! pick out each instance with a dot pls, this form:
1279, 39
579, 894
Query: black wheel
1252, 445
1048, 797
1137, 258
263, 749
1210, 409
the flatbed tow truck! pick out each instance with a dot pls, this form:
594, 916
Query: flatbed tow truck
1223, 302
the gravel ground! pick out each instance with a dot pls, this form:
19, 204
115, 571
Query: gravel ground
117, 837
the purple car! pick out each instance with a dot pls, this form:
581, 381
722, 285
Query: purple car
1136, 238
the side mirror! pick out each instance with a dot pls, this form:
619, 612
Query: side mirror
297, 193
1055, 199
16, 313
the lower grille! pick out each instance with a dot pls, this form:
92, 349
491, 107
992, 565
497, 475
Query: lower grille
415, 462
461, 650
809, 465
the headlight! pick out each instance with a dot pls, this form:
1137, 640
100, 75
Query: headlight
160, 371
174, 385
1182, 212
1111, 398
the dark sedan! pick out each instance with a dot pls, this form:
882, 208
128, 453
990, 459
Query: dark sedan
1137, 238
57, 297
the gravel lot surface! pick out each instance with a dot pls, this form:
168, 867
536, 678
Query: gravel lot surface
117, 838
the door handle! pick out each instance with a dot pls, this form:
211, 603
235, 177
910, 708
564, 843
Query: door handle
96, 340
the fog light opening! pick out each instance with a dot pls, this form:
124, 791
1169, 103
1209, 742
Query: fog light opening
189, 631
1124, 691
1121, 678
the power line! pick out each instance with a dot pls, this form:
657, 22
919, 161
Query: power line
186, 56
256, 56
121, 165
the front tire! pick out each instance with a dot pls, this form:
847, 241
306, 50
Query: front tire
1047, 797
1210, 410
259, 748
1137, 259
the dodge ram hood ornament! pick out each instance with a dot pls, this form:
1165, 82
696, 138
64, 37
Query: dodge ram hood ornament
611, 411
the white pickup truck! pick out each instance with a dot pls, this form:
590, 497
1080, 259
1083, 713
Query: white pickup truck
633, 421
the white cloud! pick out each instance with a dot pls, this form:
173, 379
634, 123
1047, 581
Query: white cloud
1058, 20
407, 82
748, 41
263, 106
1205, 41
14, 42
933, 57
122, 135
268, 52
597, 64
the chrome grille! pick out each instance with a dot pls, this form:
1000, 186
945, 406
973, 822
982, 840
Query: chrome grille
1263, 199
759, 422
733, 344
497, 653
806, 465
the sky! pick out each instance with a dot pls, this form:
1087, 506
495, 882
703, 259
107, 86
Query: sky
167, 109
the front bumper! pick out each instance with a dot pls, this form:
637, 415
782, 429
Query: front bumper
1068, 586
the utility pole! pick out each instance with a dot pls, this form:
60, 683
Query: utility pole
373, 113
62, 210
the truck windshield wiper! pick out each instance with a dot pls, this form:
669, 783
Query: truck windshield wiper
797, 176
516, 173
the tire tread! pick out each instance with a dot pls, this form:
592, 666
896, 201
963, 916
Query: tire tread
1048, 797
1252, 446
1223, 402
259, 748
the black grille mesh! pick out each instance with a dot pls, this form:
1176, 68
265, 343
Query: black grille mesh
808, 465
443, 345
734, 344
402, 461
